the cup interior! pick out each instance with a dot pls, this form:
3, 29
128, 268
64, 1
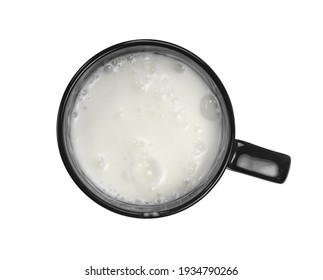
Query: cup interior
91, 188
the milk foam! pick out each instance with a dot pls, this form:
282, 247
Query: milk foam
145, 128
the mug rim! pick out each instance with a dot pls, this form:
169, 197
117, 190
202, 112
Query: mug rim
61, 117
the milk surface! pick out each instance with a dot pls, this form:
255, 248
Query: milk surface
145, 128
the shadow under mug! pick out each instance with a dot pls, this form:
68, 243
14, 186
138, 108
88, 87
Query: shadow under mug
234, 154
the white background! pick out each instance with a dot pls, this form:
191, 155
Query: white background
268, 54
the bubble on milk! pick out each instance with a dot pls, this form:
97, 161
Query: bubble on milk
131, 58
108, 68
119, 112
210, 107
185, 125
84, 94
140, 148
163, 92
142, 82
100, 162
141, 142
200, 146
187, 182
179, 67
197, 128
150, 67
146, 172
174, 195
93, 79
192, 167
111, 190
160, 198
116, 62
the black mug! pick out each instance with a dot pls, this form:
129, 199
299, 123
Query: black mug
234, 154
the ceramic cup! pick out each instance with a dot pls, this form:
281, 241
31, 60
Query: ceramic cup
233, 154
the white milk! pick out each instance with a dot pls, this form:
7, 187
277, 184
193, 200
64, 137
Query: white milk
146, 128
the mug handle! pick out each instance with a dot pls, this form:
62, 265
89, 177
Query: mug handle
259, 162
